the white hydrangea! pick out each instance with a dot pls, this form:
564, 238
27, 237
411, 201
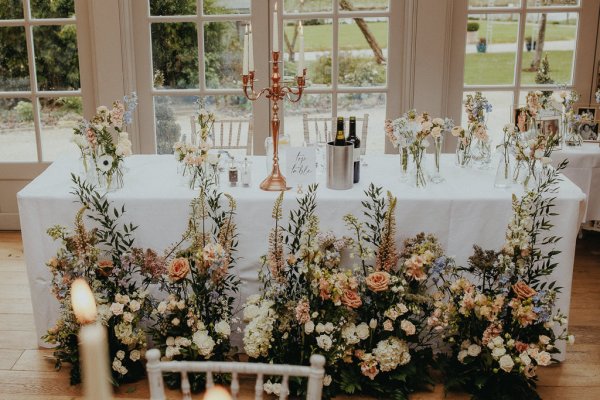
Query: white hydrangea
259, 330
390, 353
203, 342
222, 328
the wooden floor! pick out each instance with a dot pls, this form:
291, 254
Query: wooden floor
26, 373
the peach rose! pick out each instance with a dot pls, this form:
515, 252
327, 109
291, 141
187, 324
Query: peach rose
324, 289
351, 299
178, 269
105, 267
520, 346
523, 291
378, 281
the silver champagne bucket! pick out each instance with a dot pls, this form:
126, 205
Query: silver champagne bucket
340, 167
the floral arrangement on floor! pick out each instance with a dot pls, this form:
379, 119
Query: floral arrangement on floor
392, 340
308, 302
497, 313
194, 321
476, 108
195, 160
104, 143
410, 133
105, 257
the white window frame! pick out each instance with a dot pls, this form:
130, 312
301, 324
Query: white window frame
34, 94
583, 59
260, 16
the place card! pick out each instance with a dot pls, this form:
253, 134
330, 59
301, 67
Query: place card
300, 168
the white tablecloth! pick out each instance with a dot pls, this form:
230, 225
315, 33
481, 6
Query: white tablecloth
464, 210
584, 171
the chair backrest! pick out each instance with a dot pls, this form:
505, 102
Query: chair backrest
227, 134
155, 368
324, 131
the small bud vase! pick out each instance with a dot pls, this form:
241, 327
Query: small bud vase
438, 144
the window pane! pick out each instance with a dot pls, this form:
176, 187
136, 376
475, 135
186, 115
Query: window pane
297, 126
223, 43
502, 109
13, 9
56, 59
491, 49
291, 6
170, 7
175, 55
363, 5
173, 114
59, 116
17, 135
52, 9
318, 42
14, 65
494, 3
552, 3
553, 36
212, 7
172, 118
361, 63
372, 105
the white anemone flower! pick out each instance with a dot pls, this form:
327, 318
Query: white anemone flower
105, 162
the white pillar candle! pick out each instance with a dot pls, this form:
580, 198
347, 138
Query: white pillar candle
93, 344
251, 50
217, 393
94, 358
245, 56
301, 62
275, 29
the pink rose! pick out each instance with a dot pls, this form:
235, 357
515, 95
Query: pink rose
351, 299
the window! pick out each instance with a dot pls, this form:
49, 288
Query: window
195, 51
191, 49
40, 95
346, 45
506, 43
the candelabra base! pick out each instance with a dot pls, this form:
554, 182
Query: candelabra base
274, 182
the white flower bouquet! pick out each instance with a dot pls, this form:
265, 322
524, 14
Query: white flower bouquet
105, 258
497, 315
195, 321
104, 143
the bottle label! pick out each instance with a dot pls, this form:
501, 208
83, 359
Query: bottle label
356, 154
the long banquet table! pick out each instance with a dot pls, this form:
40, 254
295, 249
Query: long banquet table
464, 210
584, 170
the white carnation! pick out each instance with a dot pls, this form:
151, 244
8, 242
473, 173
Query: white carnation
309, 327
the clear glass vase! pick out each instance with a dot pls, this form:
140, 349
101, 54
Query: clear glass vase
438, 144
504, 176
482, 153
418, 174
463, 154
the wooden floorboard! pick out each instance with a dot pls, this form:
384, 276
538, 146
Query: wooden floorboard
27, 372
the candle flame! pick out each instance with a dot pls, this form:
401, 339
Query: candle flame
217, 393
301, 28
83, 302
275, 6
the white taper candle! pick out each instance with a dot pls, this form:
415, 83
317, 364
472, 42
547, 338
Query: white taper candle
301, 46
275, 29
245, 56
250, 50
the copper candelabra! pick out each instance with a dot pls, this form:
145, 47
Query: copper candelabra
275, 93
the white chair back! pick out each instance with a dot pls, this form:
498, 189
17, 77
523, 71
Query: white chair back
324, 129
155, 368
230, 134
